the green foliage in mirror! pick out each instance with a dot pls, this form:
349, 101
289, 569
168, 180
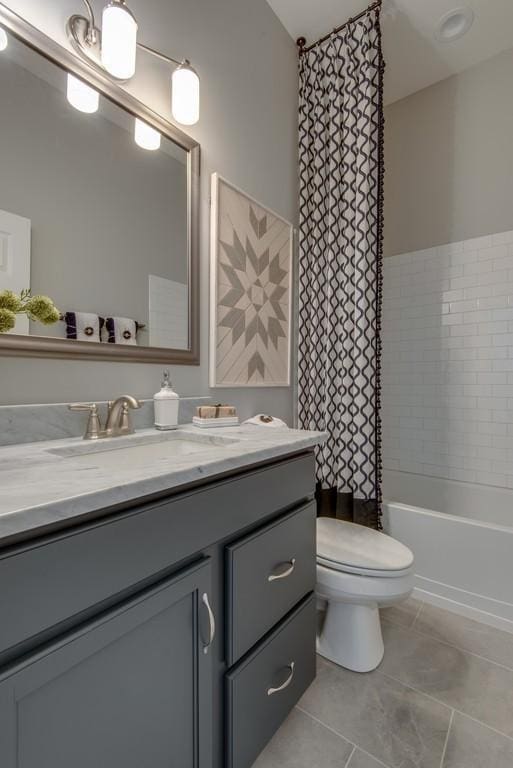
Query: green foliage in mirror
37, 308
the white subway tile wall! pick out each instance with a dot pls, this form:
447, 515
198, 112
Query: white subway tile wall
448, 361
168, 313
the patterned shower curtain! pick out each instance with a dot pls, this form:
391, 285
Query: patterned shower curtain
340, 265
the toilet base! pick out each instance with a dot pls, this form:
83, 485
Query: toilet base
351, 636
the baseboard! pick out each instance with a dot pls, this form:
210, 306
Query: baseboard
467, 604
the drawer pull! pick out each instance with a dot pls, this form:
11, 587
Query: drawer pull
212, 622
271, 691
290, 565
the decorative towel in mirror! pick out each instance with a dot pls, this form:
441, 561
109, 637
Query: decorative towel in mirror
121, 330
87, 326
83, 326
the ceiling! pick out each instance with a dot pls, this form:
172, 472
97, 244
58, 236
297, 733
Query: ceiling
414, 57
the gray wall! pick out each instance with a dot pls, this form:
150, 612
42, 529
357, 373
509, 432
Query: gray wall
248, 133
449, 159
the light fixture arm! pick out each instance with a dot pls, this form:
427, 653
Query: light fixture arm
90, 12
159, 55
92, 32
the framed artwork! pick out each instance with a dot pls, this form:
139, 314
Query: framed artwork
250, 291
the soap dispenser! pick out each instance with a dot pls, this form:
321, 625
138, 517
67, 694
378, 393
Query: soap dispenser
166, 405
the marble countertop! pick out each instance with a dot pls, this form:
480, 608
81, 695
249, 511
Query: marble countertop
44, 486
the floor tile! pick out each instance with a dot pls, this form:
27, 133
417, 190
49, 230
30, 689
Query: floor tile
472, 685
361, 760
403, 613
472, 745
467, 634
304, 743
397, 725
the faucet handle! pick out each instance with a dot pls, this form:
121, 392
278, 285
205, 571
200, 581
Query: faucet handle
125, 425
82, 407
125, 422
94, 427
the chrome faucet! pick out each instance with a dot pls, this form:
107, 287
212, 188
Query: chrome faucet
118, 422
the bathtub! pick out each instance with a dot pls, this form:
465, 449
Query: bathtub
462, 538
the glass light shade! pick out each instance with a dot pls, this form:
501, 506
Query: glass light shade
119, 40
3, 39
185, 95
82, 96
145, 136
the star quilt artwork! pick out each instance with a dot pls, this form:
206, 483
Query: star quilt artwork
251, 270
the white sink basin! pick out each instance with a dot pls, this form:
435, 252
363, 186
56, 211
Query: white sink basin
136, 450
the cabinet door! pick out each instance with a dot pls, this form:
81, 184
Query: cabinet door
132, 689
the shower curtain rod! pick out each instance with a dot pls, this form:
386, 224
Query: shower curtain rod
301, 41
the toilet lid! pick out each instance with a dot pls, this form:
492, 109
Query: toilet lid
340, 544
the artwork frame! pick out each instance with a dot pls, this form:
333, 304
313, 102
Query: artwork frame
250, 318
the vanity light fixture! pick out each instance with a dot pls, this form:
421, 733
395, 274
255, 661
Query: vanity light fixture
119, 40
185, 94
145, 136
113, 51
82, 96
4, 40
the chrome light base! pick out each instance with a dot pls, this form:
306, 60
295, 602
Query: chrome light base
86, 40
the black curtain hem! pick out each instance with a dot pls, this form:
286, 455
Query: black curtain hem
343, 506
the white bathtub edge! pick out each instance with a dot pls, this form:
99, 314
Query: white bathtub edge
461, 609
461, 565
387, 503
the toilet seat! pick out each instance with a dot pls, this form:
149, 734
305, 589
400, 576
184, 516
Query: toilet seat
372, 572
351, 548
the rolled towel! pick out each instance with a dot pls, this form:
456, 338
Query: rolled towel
262, 420
120, 330
83, 326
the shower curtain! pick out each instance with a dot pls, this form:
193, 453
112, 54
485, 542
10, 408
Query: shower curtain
340, 264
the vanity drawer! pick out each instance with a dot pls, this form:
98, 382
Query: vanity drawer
264, 687
269, 571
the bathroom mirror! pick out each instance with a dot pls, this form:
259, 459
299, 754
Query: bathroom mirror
98, 211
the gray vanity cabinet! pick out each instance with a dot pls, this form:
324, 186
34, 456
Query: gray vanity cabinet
107, 651
131, 689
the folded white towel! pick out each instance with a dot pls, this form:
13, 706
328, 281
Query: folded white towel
120, 330
83, 326
261, 420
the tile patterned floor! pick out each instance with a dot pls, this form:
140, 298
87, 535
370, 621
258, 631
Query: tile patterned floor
441, 698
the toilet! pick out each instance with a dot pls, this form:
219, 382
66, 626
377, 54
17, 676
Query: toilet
359, 570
